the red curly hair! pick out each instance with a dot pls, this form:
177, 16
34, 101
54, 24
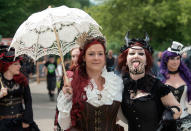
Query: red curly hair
20, 78
122, 59
80, 81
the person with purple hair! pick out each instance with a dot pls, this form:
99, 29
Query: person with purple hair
178, 77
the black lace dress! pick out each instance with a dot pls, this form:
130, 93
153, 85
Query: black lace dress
145, 112
12, 111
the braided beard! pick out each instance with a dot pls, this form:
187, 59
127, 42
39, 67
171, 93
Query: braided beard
135, 70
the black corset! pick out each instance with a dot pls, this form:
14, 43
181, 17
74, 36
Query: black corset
177, 92
11, 104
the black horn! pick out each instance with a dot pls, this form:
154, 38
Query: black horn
127, 38
147, 39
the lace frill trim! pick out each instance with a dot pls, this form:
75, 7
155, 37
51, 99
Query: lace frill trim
112, 90
64, 105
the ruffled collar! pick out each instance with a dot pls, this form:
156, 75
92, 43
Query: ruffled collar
112, 90
145, 83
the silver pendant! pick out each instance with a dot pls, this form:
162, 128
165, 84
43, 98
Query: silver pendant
99, 96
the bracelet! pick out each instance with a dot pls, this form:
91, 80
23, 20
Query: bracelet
178, 108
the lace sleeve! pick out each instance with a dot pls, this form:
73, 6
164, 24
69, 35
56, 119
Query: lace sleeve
163, 90
64, 105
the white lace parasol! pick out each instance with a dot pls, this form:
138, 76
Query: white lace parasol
36, 36
52, 31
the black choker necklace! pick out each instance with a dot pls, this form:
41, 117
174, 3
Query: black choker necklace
173, 72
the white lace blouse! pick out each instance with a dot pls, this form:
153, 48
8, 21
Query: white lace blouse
112, 91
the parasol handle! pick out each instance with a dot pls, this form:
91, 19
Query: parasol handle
61, 56
1, 84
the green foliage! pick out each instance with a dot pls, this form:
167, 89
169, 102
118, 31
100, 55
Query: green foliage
14, 12
163, 20
11, 15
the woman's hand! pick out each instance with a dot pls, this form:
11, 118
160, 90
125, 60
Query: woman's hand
55, 128
177, 113
3, 92
25, 125
67, 89
67, 86
170, 101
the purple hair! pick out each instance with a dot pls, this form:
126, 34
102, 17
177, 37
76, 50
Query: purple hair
184, 72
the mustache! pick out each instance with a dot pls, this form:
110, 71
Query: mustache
136, 69
136, 60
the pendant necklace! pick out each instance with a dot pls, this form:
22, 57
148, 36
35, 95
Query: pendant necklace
99, 96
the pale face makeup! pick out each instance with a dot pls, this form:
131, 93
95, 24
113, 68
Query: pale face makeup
136, 60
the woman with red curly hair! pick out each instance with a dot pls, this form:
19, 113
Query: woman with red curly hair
144, 97
14, 89
95, 93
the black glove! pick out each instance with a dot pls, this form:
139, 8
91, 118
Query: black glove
167, 117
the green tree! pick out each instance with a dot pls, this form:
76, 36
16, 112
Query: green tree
14, 12
163, 20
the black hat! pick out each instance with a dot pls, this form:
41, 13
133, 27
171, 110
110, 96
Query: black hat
143, 42
3, 48
8, 55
